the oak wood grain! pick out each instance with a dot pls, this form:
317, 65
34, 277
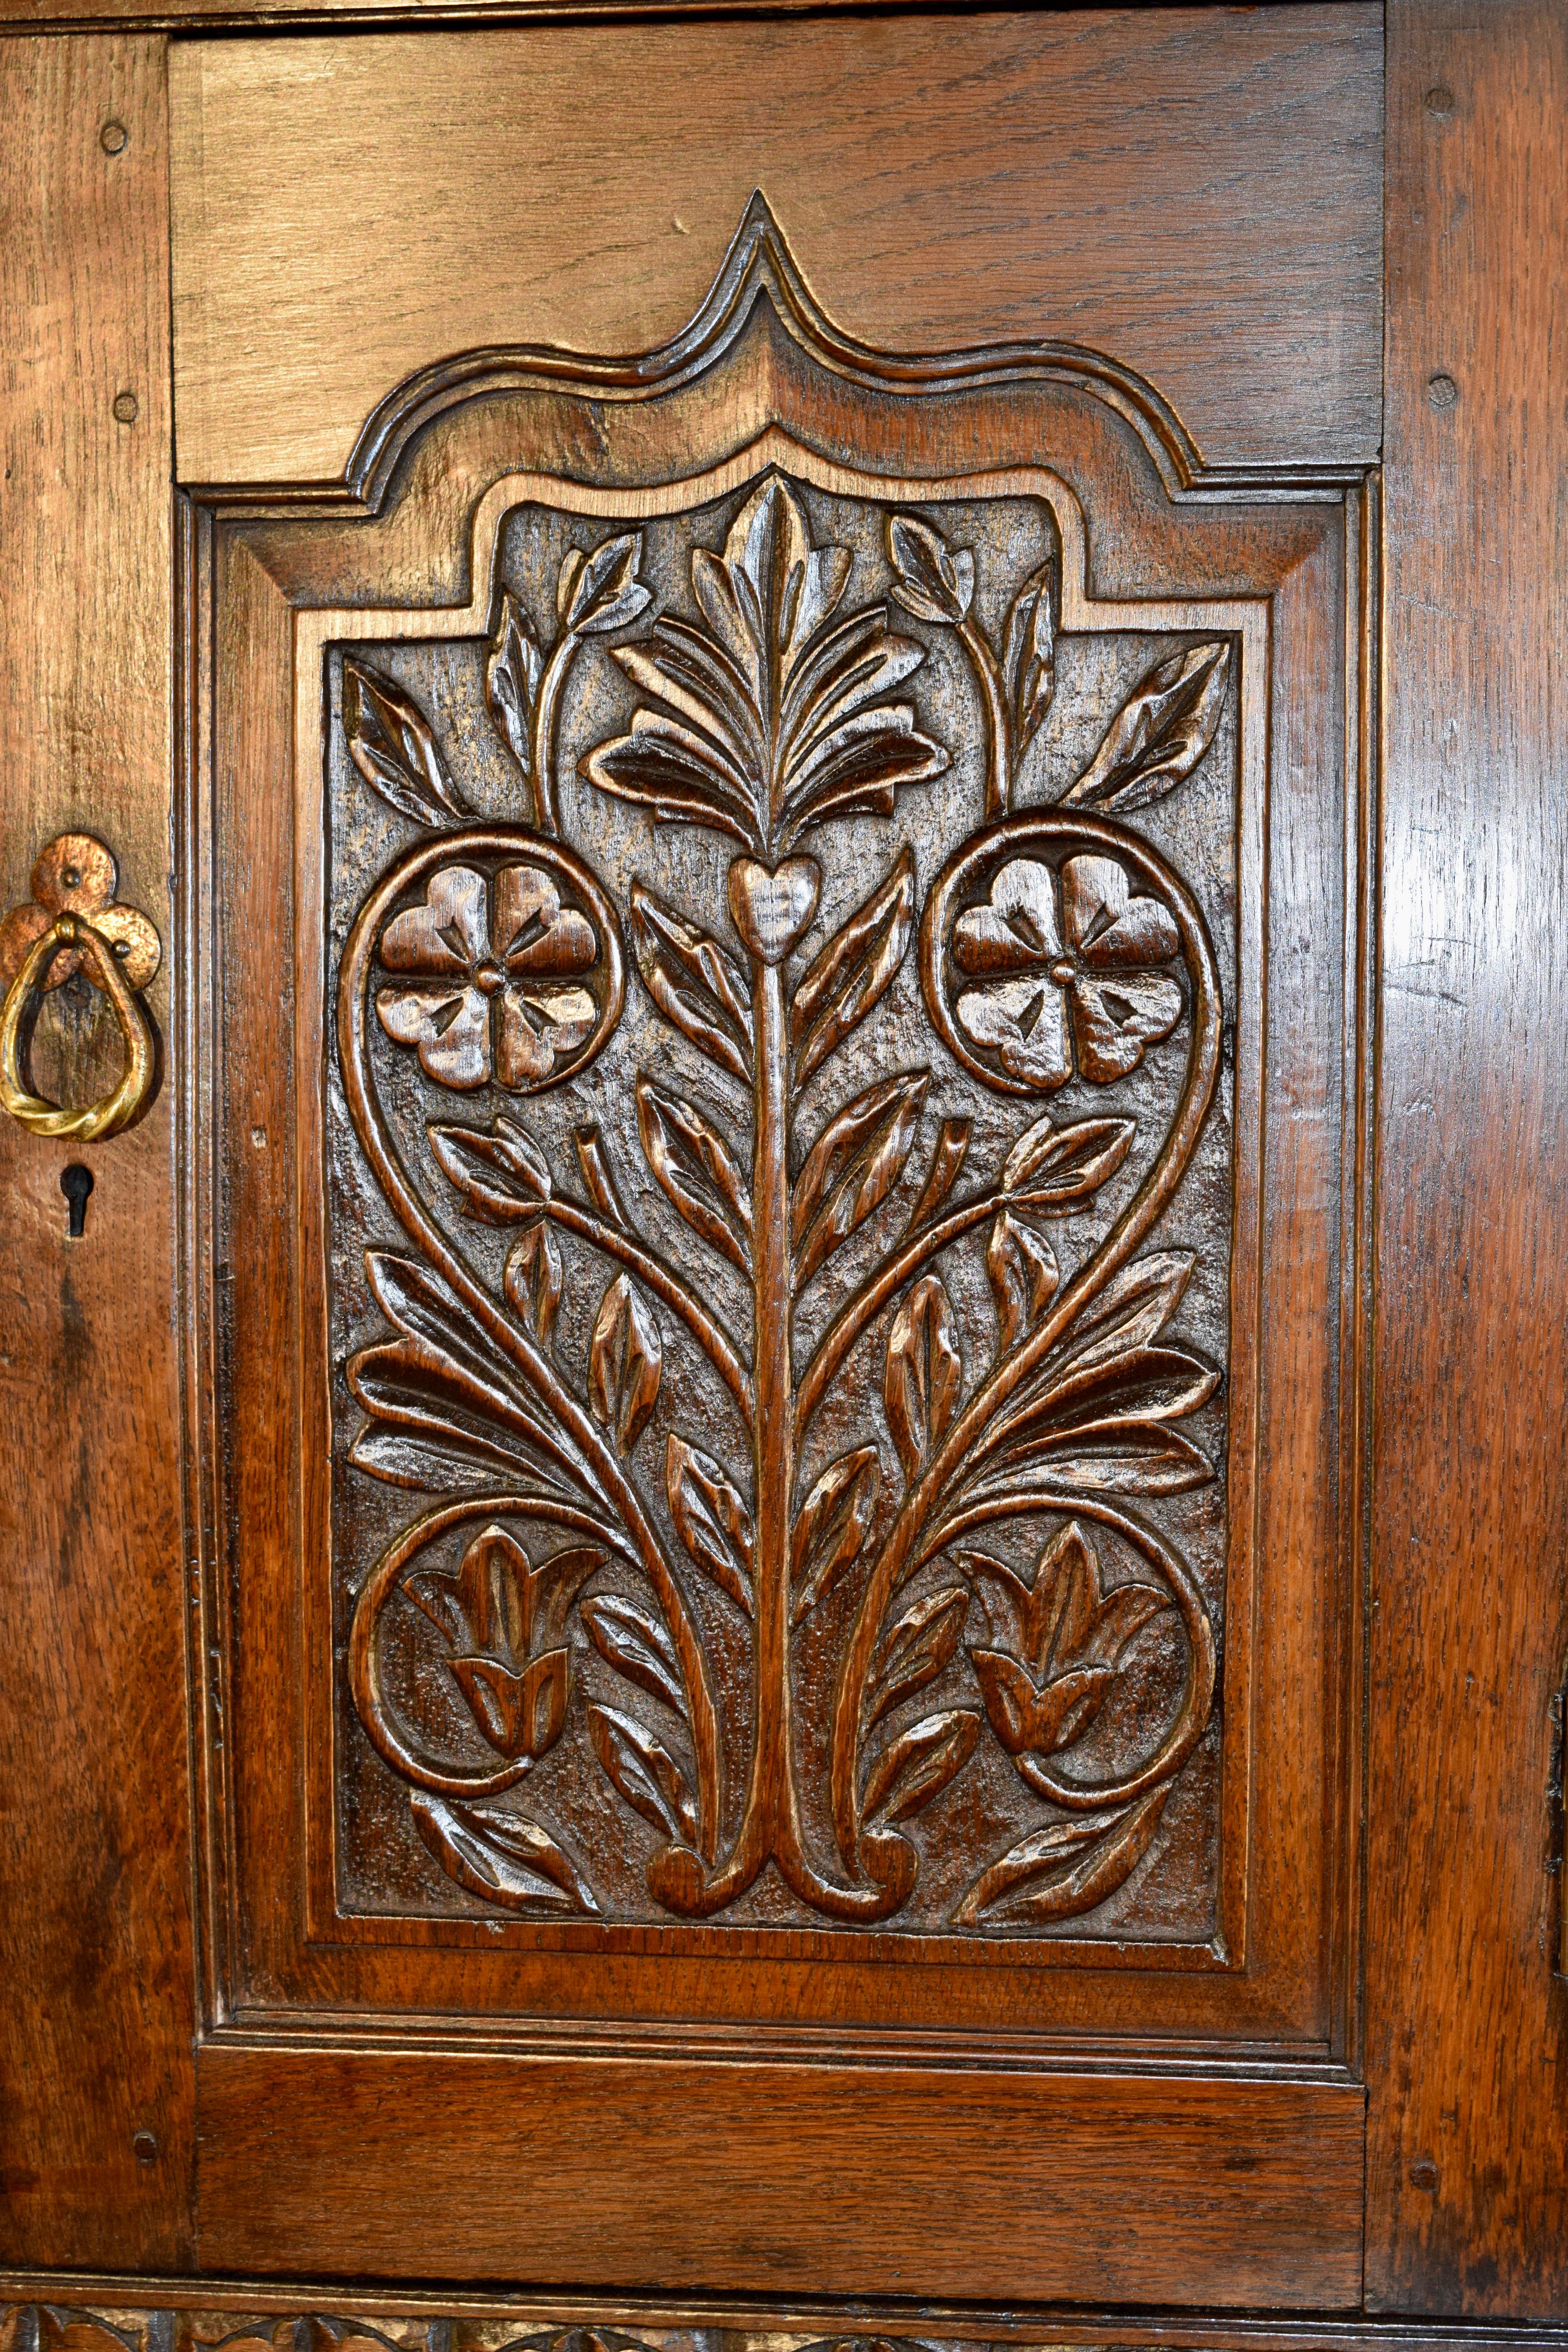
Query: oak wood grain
1197, 190
792, 2180
95, 1937
1466, 2023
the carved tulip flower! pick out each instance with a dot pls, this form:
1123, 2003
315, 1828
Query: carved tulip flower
1058, 1643
489, 967
503, 1618
1066, 972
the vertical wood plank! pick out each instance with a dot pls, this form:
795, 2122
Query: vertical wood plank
1468, 2027
95, 1954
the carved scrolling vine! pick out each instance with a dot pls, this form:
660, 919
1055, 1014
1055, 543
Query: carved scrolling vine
799, 1465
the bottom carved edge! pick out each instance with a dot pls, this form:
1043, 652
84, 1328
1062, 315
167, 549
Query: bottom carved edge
214, 2316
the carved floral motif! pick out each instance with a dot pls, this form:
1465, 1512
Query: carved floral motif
773, 709
497, 999
1044, 986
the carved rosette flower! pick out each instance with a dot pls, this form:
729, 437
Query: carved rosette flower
493, 966
1066, 972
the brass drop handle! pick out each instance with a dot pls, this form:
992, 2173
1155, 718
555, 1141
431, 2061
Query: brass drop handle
74, 923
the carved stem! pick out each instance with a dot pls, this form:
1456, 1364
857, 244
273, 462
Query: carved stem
774, 1433
998, 733
605, 1469
705, 1329
547, 703
770, 1800
1147, 1204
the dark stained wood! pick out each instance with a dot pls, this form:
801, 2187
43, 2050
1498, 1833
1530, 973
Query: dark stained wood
95, 1934
341, 1909
1196, 191
771, 2074
1466, 2020
783, 2180
837, 1616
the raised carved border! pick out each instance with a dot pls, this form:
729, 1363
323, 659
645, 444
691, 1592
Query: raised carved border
759, 278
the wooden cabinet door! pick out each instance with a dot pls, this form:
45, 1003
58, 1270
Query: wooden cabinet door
754, 1217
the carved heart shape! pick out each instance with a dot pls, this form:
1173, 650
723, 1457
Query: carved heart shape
770, 911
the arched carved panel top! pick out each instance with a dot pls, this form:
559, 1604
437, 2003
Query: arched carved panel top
780, 900
758, 271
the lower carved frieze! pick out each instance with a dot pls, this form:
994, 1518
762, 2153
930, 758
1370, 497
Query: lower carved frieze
474, 2323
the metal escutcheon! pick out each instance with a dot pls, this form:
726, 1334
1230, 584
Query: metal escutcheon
74, 923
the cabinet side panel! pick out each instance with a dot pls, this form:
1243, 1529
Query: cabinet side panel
95, 1951
1467, 2041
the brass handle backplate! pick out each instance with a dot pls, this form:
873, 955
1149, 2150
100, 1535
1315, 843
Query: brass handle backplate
74, 923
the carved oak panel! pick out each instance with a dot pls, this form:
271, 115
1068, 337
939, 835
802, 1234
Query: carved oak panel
781, 1160
779, 1449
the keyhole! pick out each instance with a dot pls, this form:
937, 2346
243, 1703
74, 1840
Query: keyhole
76, 1183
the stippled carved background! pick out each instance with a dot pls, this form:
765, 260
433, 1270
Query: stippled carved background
780, 1151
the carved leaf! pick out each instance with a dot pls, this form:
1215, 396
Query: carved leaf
593, 1162
917, 1767
1082, 1861
1133, 1308
929, 579
915, 1650
1093, 1419
845, 753
598, 593
533, 1280
1132, 1457
1023, 1275
710, 1519
831, 1527
693, 981
391, 743
439, 1393
1160, 733
946, 1164
646, 1773
626, 1363
1096, 1425
696, 1167
511, 679
521, 1713
853, 970
502, 1176
1030, 652
681, 775
853, 1166
500, 1857
924, 1372
632, 1642
1051, 1169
